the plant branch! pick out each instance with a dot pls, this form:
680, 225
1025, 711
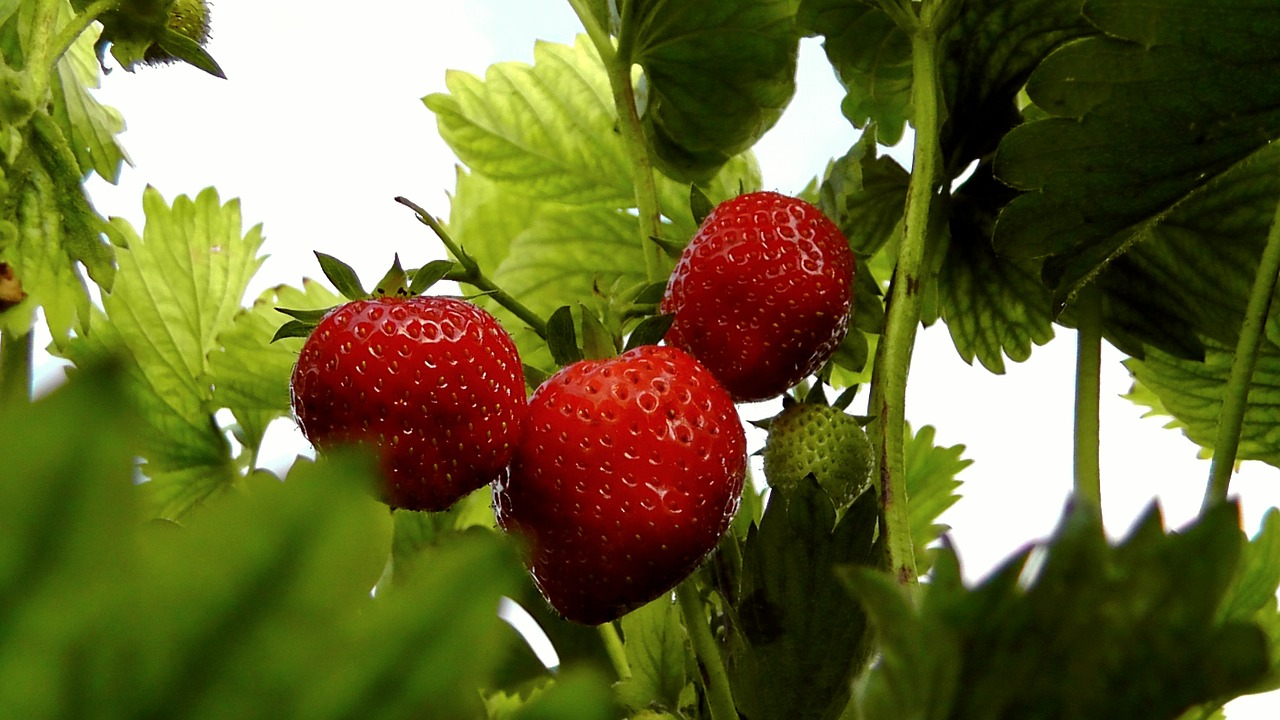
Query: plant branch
715, 679
893, 359
15, 368
598, 33
613, 646
1088, 475
470, 273
1235, 397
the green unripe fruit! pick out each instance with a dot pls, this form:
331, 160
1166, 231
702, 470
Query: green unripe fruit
188, 18
821, 440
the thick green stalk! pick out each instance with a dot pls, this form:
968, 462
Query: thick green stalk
719, 696
1088, 475
15, 368
1235, 397
617, 63
613, 646
893, 360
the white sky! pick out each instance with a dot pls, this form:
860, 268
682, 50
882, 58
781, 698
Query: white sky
317, 142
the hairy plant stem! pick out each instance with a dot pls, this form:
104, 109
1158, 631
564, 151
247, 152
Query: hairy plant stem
617, 63
1235, 397
16, 359
73, 30
1088, 475
613, 646
893, 357
468, 271
715, 679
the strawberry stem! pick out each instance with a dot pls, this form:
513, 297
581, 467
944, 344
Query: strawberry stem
905, 299
715, 679
618, 63
1088, 476
72, 31
15, 368
1235, 397
614, 648
468, 272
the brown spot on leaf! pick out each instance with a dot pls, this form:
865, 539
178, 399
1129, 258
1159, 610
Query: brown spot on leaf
11, 292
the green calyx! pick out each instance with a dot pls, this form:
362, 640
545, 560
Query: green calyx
819, 440
397, 282
158, 32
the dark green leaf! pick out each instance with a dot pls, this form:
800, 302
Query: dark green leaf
429, 275
797, 641
872, 57
597, 343
650, 331
651, 294
394, 283
1099, 632
344, 279
699, 204
189, 51
293, 329
865, 194
562, 338
313, 316
718, 72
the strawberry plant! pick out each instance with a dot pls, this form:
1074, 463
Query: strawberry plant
621, 284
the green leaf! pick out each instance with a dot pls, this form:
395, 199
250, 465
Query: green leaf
931, 485
1144, 116
718, 73
562, 338
1118, 631
650, 330
342, 276
656, 651
91, 127
871, 56
429, 274
189, 51
597, 343
546, 129
249, 372
179, 287
865, 195
797, 642
1191, 391
994, 305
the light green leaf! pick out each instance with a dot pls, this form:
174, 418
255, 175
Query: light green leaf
546, 131
1191, 391
91, 126
655, 647
179, 287
718, 73
250, 374
931, 485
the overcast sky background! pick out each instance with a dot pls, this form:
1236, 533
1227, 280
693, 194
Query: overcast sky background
320, 124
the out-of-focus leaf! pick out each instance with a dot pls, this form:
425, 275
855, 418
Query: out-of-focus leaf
1096, 631
718, 74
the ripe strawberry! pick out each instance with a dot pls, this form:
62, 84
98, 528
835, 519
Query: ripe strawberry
433, 383
628, 474
820, 440
761, 295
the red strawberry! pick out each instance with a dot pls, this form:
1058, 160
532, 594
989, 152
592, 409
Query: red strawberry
628, 474
433, 383
761, 295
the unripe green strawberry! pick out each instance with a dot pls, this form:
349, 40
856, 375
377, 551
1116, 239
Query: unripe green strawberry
822, 440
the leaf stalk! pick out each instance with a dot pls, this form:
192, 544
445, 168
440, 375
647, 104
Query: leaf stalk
468, 271
1235, 397
16, 358
1088, 474
614, 648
